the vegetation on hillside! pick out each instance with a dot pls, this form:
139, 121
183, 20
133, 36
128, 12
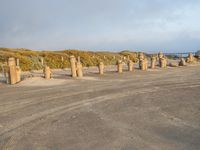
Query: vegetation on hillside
32, 60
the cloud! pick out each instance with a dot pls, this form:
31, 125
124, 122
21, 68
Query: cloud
106, 24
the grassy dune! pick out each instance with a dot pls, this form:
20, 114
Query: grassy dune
31, 60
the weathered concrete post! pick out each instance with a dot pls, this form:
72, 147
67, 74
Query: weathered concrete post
160, 55
121, 57
73, 66
17, 61
163, 62
12, 71
18, 73
153, 62
42, 60
79, 68
47, 72
101, 68
79, 59
166, 61
119, 66
190, 58
140, 57
146, 64
143, 63
182, 62
130, 65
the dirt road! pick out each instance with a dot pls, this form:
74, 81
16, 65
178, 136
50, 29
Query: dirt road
154, 110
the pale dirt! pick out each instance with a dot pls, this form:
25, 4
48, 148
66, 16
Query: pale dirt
141, 110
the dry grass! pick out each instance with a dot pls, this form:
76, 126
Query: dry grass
31, 60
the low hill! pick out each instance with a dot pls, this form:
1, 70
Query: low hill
31, 60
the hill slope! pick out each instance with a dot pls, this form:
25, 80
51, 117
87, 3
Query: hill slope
31, 60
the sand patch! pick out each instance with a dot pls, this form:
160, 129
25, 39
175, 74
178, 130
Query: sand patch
157, 69
88, 78
38, 81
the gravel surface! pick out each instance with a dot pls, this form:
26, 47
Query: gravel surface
141, 110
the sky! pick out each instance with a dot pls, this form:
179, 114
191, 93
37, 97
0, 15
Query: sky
114, 25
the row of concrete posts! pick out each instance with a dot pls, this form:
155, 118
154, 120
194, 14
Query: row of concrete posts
77, 68
12, 70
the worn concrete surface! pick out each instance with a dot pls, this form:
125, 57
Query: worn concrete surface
154, 110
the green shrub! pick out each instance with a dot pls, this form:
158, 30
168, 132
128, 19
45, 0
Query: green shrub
31, 60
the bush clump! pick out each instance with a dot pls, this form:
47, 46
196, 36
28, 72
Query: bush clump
32, 60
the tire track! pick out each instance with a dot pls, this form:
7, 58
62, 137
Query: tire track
54, 112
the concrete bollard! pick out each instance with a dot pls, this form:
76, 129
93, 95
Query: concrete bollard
160, 55
101, 68
146, 64
130, 65
141, 56
17, 61
18, 73
79, 68
47, 72
119, 66
190, 58
73, 66
182, 62
12, 71
11, 61
163, 62
79, 59
42, 61
143, 63
153, 62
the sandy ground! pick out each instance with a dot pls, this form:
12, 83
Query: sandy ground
141, 110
